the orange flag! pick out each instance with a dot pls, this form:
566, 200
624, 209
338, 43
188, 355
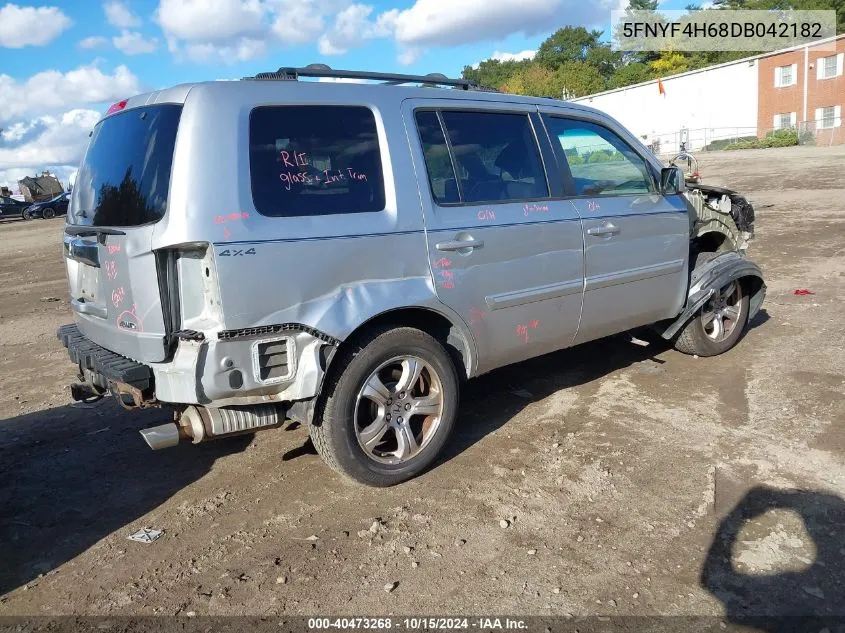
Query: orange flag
660, 88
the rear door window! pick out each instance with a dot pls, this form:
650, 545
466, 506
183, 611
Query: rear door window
495, 154
438, 162
125, 175
315, 160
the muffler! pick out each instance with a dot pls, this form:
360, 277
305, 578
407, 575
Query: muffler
162, 436
205, 423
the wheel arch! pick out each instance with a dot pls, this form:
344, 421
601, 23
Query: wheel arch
714, 237
450, 331
714, 274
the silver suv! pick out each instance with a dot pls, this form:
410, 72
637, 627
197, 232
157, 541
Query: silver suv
346, 254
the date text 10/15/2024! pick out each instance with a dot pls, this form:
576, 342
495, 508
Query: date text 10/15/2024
419, 623
298, 172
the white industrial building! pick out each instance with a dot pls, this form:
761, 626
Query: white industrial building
732, 100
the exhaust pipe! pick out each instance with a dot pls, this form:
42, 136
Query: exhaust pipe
204, 423
162, 436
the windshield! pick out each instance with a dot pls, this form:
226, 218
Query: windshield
125, 175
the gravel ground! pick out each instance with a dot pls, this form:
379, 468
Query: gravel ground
613, 478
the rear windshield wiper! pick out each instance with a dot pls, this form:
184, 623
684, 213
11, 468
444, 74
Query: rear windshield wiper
83, 231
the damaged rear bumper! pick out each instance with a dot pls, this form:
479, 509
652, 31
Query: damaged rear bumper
244, 368
99, 366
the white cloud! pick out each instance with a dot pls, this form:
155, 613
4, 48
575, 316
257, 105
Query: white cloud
54, 91
95, 41
30, 26
509, 57
451, 22
215, 31
133, 43
297, 21
238, 30
241, 50
409, 55
119, 15
351, 28
514, 57
48, 142
211, 20
446, 22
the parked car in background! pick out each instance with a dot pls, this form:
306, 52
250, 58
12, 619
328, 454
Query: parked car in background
11, 208
48, 209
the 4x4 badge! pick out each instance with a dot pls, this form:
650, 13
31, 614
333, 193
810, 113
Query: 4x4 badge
236, 252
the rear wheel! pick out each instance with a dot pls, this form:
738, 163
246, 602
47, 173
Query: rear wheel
48, 214
389, 407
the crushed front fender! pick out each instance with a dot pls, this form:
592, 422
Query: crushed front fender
712, 276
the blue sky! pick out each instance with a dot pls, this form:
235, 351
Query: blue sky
63, 62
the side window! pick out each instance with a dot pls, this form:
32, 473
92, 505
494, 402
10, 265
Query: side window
601, 163
438, 163
495, 155
314, 160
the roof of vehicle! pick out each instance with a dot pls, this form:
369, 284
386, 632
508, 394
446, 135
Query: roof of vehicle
354, 84
55, 198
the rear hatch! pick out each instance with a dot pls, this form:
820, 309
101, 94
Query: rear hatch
121, 191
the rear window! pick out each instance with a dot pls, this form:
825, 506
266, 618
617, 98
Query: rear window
125, 176
314, 160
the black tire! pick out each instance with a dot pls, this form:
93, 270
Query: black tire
693, 339
26, 215
48, 213
334, 429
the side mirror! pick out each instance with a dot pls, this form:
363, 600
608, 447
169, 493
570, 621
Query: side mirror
672, 181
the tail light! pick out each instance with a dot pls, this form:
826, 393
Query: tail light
116, 107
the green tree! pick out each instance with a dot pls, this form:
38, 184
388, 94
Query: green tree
571, 43
534, 80
643, 5
670, 63
493, 73
631, 73
579, 79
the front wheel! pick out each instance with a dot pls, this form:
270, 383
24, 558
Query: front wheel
389, 407
48, 214
719, 324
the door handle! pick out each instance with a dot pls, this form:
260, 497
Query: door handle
458, 245
84, 307
605, 229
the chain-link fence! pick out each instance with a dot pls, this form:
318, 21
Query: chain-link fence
830, 131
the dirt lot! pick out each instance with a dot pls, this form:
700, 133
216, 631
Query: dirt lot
631, 479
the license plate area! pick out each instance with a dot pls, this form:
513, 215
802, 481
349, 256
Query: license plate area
88, 283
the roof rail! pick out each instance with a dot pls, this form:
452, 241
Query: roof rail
321, 70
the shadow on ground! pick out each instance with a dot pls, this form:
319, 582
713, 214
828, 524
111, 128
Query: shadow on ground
72, 475
809, 600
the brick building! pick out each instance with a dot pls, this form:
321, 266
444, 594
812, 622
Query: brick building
801, 87
804, 88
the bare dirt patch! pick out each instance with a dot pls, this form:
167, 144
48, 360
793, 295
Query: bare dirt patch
628, 477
